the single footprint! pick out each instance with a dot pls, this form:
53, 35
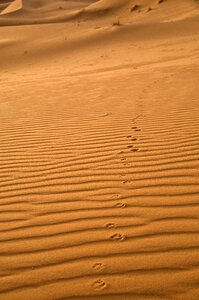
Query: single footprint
120, 205
134, 149
125, 181
130, 146
137, 129
134, 127
134, 139
98, 266
105, 115
121, 152
115, 196
99, 285
126, 164
128, 136
118, 237
110, 225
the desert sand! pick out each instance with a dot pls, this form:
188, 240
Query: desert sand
99, 150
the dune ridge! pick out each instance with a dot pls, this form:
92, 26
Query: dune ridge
12, 7
24, 12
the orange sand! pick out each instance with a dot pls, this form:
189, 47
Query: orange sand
99, 150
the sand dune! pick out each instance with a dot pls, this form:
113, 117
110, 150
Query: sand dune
24, 12
12, 7
99, 150
4, 5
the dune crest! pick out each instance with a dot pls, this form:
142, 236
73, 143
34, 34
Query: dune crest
12, 7
21, 12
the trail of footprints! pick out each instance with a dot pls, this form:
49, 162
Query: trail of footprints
101, 284
132, 147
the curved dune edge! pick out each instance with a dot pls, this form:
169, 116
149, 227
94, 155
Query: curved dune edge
19, 13
14, 6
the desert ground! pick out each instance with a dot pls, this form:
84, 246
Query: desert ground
99, 149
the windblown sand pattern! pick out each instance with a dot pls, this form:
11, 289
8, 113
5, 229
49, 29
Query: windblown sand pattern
99, 170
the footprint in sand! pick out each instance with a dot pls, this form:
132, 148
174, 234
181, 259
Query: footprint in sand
125, 181
135, 128
99, 285
123, 159
115, 196
121, 152
98, 266
105, 115
134, 149
130, 146
120, 205
134, 139
118, 237
110, 225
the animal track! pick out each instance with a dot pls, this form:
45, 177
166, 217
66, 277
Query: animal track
123, 159
130, 146
121, 152
135, 150
99, 285
115, 196
125, 181
118, 237
123, 176
136, 128
120, 205
98, 266
110, 225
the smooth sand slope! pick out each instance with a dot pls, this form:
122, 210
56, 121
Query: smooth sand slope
99, 150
